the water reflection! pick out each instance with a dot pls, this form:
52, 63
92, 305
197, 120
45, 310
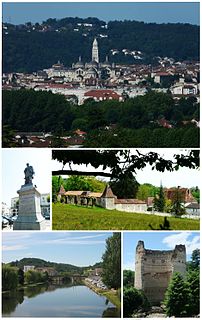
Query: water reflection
11, 300
57, 301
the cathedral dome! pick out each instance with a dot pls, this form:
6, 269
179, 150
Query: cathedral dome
58, 65
79, 64
106, 63
92, 64
91, 71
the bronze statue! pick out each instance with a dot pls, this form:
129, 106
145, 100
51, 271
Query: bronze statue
29, 172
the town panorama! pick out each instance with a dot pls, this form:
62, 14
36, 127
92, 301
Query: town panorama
112, 94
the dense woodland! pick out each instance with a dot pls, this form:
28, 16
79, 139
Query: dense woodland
130, 123
60, 267
32, 47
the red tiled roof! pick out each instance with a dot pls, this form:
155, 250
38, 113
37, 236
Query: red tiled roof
79, 132
162, 74
59, 85
129, 201
108, 193
102, 94
62, 190
164, 123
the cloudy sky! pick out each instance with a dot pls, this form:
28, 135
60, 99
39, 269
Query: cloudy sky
76, 248
157, 241
150, 11
184, 177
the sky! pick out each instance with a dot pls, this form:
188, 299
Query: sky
157, 241
184, 177
76, 248
13, 165
159, 12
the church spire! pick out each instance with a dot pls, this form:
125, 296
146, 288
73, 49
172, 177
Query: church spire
95, 55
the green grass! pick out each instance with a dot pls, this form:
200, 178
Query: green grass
71, 217
113, 297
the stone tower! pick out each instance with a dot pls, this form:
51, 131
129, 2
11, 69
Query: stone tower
154, 269
108, 198
95, 55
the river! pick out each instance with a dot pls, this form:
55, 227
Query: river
57, 301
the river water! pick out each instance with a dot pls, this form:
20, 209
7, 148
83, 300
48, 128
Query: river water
57, 301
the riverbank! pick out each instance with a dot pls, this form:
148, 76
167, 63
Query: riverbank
111, 295
31, 285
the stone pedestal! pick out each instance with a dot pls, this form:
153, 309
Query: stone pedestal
29, 214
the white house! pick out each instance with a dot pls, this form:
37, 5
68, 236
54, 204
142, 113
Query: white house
193, 209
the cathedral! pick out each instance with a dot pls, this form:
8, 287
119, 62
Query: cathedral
93, 73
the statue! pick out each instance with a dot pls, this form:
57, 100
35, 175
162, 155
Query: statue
29, 172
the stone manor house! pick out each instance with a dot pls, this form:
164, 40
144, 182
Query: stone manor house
154, 269
106, 199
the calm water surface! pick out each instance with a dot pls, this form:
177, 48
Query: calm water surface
52, 301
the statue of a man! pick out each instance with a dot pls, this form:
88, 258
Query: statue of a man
29, 172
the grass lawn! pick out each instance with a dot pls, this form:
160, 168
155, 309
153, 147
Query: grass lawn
71, 217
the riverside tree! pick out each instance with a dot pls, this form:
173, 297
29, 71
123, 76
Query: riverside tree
9, 278
111, 265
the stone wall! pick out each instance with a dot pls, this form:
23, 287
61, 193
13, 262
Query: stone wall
107, 203
154, 269
133, 207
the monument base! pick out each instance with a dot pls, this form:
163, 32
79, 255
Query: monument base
29, 214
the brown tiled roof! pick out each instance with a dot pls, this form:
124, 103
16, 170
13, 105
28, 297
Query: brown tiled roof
95, 195
62, 190
108, 193
129, 201
73, 193
84, 194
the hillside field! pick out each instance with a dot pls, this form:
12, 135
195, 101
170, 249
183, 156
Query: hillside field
71, 217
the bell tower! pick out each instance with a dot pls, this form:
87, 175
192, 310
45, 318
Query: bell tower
95, 55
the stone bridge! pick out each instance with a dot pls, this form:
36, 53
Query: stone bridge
73, 278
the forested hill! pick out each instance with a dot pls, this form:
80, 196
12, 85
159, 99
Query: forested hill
32, 47
60, 267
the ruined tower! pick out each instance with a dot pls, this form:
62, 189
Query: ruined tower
95, 55
154, 269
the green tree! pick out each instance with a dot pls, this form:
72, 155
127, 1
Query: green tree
111, 265
9, 278
193, 281
177, 297
8, 137
125, 186
168, 205
159, 201
196, 193
56, 184
32, 276
20, 276
134, 300
128, 278
195, 260
84, 183
146, 190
